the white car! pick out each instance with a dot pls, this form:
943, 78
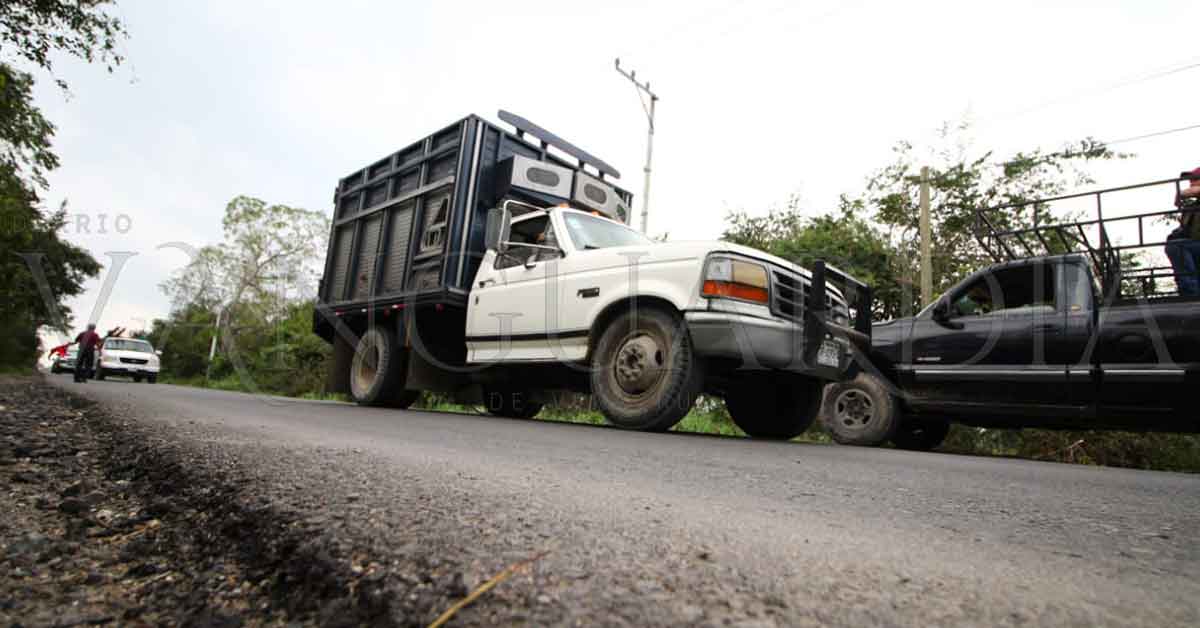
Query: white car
130, 357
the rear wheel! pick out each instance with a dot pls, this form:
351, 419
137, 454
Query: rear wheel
861, 411
100, 374
378, 371
513, 404
920, 434
644, 373
775, 409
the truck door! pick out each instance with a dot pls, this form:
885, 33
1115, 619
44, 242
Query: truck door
509, 300
1141, 353
996, 348
1079, 291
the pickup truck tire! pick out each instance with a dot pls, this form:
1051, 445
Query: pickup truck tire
378, 371
774, 410
513, 404
920, 434
645, 375
860, 412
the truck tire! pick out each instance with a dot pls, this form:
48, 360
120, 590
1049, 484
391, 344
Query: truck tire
860, 412
378, 371
774, 410
645, 375
920, 434
513, 404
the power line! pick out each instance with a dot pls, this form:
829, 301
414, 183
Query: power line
1190, 64
1149, 135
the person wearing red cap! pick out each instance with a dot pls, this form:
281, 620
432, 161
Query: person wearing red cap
1183, 245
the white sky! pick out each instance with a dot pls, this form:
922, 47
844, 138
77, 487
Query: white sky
758, 99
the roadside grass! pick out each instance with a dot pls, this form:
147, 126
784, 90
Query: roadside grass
16, 370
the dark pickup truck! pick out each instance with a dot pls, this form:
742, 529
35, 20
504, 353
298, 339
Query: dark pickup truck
1063, 341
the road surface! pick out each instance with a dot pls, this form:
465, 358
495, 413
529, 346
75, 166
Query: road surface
677, 528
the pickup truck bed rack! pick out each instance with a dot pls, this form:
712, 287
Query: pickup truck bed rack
1118, 244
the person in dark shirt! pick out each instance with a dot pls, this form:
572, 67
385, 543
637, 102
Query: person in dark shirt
88, 341
1183, 245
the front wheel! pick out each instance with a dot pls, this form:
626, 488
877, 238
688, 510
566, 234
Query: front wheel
861, 411
645, 375
920, 434
775, 410
152, 379
100, 374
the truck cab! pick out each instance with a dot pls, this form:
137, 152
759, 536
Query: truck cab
496, 266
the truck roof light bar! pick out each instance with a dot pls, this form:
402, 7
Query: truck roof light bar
550, 139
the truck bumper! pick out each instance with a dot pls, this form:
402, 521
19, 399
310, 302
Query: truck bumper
766, 344
121, 368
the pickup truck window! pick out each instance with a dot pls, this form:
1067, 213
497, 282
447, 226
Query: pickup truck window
538, 231
1010, 291
589, 232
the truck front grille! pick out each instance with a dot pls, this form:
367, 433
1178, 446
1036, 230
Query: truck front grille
789, 294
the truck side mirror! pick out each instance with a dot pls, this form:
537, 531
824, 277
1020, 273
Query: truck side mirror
499, 222
941, 311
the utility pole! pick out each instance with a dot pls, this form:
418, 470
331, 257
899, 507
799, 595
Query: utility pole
212, 347
926, 267
644, 88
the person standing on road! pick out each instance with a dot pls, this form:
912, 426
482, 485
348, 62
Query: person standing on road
1183, 245
87, 352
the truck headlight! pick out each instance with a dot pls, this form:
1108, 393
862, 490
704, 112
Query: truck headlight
726, 277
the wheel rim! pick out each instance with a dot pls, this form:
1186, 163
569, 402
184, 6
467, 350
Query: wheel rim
366, 368
638, 366
854, 409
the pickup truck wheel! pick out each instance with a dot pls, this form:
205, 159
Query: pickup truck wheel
644, 373
920, 434
513, 404
860, 412
774, 410
378, 371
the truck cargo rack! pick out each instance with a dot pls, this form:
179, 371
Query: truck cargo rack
1125, 250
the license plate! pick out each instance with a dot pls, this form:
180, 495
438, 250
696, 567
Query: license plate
830, 354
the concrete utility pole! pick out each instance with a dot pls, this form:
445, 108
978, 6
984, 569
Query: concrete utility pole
212, 347
644, 87
926, 264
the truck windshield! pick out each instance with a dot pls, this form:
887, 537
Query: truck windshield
589, 232
122, 344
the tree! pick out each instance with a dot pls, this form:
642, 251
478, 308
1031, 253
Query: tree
841, 238
874, 236
38, 270
963, 181
31, 30
263, 267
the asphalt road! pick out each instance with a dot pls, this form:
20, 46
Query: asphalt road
677, 528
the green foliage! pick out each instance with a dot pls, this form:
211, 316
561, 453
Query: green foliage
962, 181
841, 238
1164, 452
29, 237
31, 30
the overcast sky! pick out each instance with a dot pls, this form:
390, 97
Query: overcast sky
759, 99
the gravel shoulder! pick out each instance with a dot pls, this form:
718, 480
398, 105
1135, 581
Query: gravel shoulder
316, 513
